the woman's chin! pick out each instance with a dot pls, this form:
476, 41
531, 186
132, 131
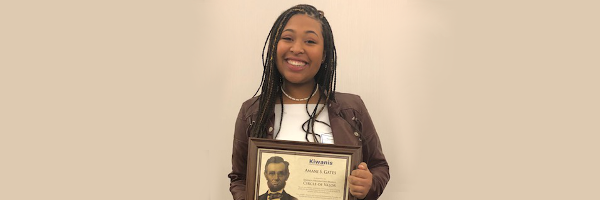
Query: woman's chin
297, 81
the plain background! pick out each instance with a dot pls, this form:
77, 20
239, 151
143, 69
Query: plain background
137, 99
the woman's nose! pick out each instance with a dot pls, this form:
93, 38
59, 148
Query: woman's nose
297, 47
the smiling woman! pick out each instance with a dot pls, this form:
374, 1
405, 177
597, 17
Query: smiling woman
300, 52
298, 102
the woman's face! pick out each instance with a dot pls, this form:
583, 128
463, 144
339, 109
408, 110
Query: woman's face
300, 50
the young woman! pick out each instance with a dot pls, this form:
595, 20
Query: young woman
298, 102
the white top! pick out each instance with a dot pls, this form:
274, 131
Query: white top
294, 116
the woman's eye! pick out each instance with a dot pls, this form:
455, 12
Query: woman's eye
311, 42
286, 38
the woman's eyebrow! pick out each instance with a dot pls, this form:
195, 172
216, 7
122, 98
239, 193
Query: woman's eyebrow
309, 31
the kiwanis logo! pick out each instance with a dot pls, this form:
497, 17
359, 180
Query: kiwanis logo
319, 162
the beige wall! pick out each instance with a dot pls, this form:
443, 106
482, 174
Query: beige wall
137, 99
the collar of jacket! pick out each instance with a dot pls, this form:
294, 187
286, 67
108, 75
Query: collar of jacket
339, 121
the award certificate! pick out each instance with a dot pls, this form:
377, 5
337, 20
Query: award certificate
299, 170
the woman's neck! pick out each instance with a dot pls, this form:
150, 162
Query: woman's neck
300, 91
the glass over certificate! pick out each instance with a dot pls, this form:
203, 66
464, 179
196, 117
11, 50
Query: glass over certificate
299, 170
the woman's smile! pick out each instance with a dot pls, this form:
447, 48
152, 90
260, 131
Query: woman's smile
296, 65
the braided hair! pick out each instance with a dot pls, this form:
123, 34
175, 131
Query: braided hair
272, 80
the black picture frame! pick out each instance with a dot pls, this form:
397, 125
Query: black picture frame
323, 182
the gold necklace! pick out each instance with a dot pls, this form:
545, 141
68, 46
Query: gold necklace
303, 99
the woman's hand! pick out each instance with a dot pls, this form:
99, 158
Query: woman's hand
360, 181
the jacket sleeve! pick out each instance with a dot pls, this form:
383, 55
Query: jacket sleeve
373, 155
237, 185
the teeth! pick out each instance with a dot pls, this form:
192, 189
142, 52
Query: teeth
296, 63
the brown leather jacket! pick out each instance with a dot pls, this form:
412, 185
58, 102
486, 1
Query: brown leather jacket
350, 124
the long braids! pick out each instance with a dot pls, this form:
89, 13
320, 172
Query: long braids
272, 80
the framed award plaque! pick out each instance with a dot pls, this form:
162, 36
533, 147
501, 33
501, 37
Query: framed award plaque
299, 170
